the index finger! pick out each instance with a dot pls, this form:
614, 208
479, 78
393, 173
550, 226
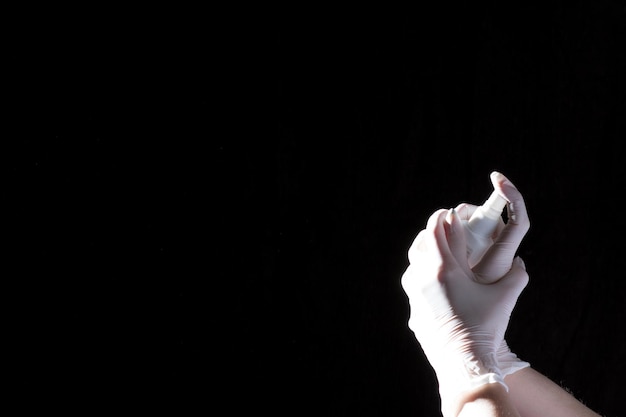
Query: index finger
435, 236
518, 222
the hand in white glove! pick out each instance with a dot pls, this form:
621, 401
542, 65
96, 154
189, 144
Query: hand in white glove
459, 322
498, 259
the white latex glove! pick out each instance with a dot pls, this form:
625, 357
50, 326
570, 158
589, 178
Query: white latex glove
459, 322
497, 261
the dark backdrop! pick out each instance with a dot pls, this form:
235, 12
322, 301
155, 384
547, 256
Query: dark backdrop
196, 208
382, 121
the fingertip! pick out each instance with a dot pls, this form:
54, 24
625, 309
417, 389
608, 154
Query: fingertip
504, 187
435, 218
453, 225
520, 265
456, 237
465, 210
450, 216
517, 277
497, 177
498, 180
455, 222
516, 207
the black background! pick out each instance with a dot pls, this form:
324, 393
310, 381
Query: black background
197, 208
386, 119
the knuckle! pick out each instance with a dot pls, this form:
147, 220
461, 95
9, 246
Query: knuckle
406, 279
441, 273
411, 254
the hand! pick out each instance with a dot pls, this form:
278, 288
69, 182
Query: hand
459, 322
497, 260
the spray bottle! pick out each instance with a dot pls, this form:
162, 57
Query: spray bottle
481, 226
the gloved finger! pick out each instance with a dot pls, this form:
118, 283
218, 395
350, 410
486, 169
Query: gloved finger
465, 210
495, 263
420, 243
513, 283
408, 280
435, 219
435, 237
518, 222
455, 233
497, 260
417, 247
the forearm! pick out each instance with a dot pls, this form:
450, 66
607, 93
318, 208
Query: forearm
490, 400
535, 395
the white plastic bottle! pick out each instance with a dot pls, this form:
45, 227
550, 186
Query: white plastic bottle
481, 226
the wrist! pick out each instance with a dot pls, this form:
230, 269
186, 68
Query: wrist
465, 361
491, 399
458, 374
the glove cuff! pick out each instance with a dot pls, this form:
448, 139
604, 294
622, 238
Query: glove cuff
467, 373
485, 370
462, 375
490, 378
508, 362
